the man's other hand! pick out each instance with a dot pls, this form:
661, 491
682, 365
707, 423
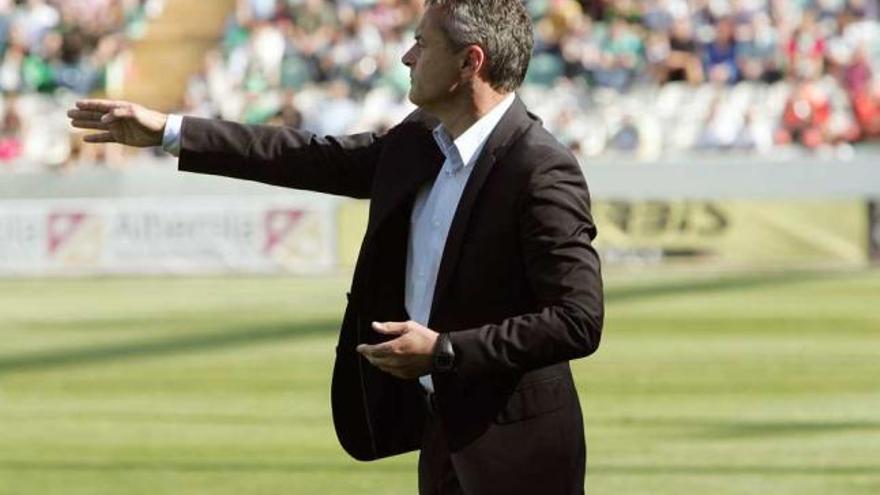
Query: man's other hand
408, 356
122, 122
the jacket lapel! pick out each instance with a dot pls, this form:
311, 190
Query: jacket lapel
417, 160
514, 123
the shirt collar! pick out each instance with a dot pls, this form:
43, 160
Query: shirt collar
466, 148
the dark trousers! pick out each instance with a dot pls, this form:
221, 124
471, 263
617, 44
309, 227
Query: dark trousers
436, 473
516, 458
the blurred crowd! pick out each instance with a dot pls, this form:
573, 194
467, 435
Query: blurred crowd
713, 75
53, 49
643, 77
639, 77
330, 67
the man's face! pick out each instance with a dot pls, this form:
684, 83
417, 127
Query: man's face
435, 69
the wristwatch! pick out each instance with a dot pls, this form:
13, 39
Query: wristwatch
444, 355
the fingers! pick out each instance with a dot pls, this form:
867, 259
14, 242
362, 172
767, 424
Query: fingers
396, 356
98, 105
116, 114
85, 115
98, 114
104, 137
391, 328
389, 365
379, 351
103, 111
381, 356
383, 363
377, 355
391, 360
89, 124
84, 119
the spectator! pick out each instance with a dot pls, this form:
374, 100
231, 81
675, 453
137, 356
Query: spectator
658, 17
681, 62
806, 49
619, 57
288, 115
757, 49
11, 130
721, 128
864, 94
806, 112
561, 19
579, 48
626, 138
719, 55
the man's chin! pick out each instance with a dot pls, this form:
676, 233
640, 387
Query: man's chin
423, 103
414, 98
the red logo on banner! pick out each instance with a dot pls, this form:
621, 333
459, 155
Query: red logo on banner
62, 227
279, 224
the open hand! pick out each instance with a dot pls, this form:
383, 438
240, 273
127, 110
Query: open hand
123, 122
408, 356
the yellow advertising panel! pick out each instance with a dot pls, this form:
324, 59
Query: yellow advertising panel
874, 230
729, 231
744, 231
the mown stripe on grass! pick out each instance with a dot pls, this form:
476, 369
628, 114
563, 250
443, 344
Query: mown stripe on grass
177, 345
723, 283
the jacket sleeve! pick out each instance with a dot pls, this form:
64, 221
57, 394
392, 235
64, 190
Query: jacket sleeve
562, 268
280, 156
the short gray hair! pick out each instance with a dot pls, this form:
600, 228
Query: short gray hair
502, 28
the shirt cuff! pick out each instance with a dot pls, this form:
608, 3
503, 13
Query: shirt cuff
171, 135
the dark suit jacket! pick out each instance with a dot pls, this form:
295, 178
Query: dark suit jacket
519, 286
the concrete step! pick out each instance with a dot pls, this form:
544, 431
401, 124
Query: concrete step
173, 50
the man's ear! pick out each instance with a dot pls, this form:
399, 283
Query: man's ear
474, 61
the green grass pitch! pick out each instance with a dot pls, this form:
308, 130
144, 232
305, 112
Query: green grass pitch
731, 384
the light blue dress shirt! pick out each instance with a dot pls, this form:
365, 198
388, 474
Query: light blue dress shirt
433, 210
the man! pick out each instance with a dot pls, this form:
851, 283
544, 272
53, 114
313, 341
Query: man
477, 258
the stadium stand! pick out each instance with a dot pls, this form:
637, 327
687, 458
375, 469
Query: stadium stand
617, 76
54, 50
643, 79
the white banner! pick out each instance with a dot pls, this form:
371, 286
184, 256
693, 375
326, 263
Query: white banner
180, 235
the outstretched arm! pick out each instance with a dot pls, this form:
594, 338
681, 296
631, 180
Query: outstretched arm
274, 155
280, 156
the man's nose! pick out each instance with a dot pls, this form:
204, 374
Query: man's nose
408, 58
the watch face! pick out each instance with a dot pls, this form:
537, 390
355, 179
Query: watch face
444, 355
443, 362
